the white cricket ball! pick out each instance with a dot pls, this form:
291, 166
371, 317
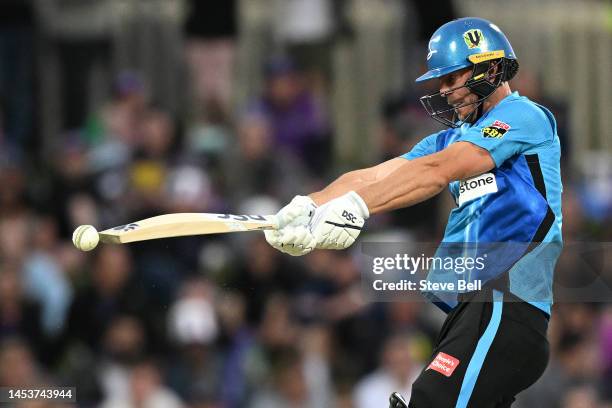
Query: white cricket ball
85, 237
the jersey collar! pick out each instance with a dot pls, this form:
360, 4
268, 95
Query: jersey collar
508, 98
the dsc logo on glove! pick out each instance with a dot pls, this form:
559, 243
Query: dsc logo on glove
350, 217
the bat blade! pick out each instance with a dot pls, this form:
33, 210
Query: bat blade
182, 224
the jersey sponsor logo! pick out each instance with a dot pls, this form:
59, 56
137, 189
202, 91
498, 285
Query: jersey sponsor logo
444, 363
500, 124
476, 187
496, 130
473, 38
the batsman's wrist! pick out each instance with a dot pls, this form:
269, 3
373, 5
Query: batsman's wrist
314, 197
359, 203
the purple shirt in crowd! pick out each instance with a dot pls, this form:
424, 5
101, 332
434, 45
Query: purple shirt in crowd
296, 125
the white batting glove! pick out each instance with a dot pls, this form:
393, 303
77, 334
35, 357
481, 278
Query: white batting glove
338, 223
298, 212
293, 236
295, 240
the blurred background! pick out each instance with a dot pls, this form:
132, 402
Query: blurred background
116, 110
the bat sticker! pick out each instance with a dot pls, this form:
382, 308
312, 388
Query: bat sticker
126, 227
242, 217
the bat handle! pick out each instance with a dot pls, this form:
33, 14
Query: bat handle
274, 221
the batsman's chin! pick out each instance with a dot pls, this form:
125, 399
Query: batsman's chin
462, 113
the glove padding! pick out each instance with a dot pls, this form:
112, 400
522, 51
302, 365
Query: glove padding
298, 212
338, 223
295, 240
293, 236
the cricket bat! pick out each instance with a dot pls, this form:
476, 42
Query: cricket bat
182, 224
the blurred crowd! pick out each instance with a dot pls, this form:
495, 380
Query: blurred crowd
226, 321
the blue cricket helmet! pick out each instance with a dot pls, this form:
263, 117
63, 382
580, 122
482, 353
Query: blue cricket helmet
465, 42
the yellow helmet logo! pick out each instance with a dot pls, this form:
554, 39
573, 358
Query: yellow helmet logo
473, 38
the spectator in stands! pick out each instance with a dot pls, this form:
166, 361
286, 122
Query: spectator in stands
114, 132
44, 278
109, 294
18, 367
260, 275
124, 346
19, 316
239, 373
297, 118
194, 370
146, 390
211, 51
148, 171
604, 337
289, 385
574, 363
397, 372
306, 29
257, 166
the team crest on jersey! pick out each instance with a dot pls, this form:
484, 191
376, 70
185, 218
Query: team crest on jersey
496, 130
473, 38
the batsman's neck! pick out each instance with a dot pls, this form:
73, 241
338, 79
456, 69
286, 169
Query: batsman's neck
499, 94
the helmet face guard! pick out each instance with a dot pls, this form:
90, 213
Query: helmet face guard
483, 82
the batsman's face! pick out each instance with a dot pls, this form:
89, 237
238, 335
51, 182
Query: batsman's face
456, 94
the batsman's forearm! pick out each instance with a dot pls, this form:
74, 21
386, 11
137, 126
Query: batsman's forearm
413, 183
350, 181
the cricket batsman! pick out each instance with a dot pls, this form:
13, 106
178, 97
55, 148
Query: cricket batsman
500, 159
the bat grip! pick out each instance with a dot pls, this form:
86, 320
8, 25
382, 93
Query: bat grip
275, 222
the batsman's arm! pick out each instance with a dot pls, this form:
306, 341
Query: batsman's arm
399, 183
419, 179
356, 179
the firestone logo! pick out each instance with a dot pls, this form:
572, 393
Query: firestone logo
472, 184
476, 187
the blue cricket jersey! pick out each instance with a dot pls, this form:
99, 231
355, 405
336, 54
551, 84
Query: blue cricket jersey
518, 202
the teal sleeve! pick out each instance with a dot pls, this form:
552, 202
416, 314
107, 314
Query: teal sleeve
512, 131
423, 148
